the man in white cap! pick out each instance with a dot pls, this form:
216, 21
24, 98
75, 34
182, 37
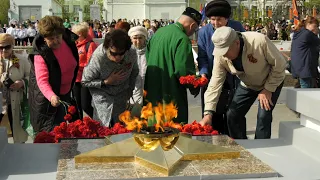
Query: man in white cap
261, 68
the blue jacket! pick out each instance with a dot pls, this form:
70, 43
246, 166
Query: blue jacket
304, 54
205, 46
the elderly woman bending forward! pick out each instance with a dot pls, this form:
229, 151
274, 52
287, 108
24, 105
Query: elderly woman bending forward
14, 70
111, 75
53, 72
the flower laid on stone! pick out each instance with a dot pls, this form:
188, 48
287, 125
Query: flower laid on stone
45, 137
160, 117
86, 128
196, 81
197, 130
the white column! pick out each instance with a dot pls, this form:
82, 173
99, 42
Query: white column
80, 15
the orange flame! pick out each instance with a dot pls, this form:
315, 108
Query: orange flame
171, 111
132, 123
147, 112
159, 116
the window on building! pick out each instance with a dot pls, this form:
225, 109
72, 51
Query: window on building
66, 8
254, 12
76, 8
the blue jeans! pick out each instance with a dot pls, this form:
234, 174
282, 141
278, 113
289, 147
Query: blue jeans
306, 82
240, 105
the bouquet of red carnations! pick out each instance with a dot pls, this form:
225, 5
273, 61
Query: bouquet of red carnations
197, 130
196, 81
86, 128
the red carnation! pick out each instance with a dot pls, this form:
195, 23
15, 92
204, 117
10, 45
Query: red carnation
122, 130
189, 79
197, 133
72, 110
44, 137
67, 117
214, 132
58, 137
207, 128
196, 84
203, 81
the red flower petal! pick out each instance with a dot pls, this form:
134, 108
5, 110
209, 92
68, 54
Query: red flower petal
44, 137
72, 110
67, 117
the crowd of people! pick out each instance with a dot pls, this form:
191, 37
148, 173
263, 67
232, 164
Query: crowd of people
66, 67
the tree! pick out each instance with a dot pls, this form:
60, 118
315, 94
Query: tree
5, 6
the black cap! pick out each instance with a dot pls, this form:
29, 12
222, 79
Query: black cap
194, 14
218, 8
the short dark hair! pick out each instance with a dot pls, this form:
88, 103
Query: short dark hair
118, 39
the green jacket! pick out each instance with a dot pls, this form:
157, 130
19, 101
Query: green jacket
169, 56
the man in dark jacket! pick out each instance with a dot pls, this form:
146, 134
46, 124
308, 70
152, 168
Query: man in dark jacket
218, 11
305, 55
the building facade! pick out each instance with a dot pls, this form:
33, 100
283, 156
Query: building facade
72, 7
143, 9
33, 10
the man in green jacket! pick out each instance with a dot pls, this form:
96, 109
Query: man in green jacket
169, 56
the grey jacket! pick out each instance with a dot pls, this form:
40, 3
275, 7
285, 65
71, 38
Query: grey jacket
109, 101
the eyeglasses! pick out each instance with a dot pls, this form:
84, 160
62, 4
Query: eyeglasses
114, 54
8, 47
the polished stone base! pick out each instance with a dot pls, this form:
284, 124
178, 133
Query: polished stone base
243, 167
162, 161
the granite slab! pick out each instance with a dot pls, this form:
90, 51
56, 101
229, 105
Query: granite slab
247, 166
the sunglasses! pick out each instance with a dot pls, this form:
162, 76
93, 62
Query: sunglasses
116, 53
8, 47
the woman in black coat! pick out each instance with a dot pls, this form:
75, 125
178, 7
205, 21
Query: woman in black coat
54, 67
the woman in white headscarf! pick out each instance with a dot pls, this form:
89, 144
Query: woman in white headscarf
139, 37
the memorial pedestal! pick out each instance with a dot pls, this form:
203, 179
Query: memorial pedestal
246, 166
295, 155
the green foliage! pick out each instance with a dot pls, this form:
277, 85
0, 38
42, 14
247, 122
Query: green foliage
5, 5
311, 3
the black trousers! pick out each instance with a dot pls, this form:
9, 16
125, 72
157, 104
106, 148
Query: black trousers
30, 40
9, 117
83, 98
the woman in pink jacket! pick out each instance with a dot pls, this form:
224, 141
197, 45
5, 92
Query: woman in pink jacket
54, 68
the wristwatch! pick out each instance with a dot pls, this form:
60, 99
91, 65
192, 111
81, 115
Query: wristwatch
208, 112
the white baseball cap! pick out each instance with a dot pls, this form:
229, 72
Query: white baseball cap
222, 38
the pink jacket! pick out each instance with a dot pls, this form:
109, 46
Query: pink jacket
67, 66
